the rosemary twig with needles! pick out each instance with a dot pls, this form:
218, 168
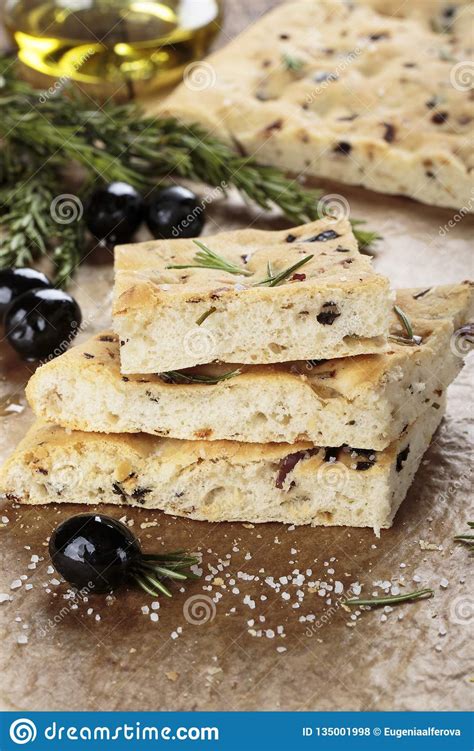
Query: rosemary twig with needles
206, 258
114, 143
421, 594
273, 280
177, 376
467, 538
410, 338
150, 571
291, 63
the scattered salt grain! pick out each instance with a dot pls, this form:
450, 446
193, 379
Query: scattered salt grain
22, 639
15, 584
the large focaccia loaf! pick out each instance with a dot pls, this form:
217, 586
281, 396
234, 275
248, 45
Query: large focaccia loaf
364, 401
173, 318
220, 480
376, 93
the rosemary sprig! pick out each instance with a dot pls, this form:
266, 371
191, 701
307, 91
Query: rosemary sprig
294, 64
205, 316
150, 571
206, 258
467, 539
405, 320
410, 338
177, 376
420, 594
274, 279
29, 231
113, 143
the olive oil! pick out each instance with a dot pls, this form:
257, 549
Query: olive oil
112, 45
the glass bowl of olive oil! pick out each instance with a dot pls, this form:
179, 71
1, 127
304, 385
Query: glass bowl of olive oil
118, 48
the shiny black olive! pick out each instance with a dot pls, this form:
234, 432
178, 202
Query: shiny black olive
175, 212
114, 213
99, 553
42, 323
93, 551
13, 282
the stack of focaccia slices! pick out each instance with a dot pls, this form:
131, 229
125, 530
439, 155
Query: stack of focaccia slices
333, 441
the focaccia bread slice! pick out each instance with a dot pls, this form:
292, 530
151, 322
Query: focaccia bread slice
220, 480
374, 93
172, 318
363, 401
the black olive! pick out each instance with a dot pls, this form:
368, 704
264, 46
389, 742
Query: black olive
13, 282
175, 212
343, 147
93, 551
114, 213
42, 323
439, 118
99, 553
402, 457
329, 313
323, 237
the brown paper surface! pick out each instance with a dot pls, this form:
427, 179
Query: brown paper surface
242, 644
